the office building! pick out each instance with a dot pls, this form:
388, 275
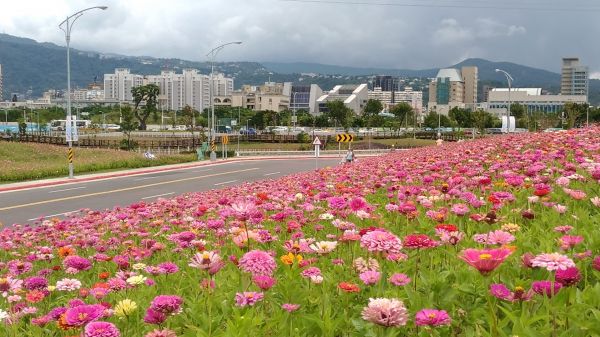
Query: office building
574, 77
304, 97
354, 96
453, 88
386, 83
118, 86
270, 96
531, 98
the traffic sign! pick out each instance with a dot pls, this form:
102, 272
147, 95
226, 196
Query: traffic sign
317, 141
344, 138
225, 140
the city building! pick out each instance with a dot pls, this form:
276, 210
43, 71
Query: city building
1, 97
574, 77
386, 83
391, 98
453, 88
304, 97
178, 90
532, 99
118, 86
270, 96
354, 96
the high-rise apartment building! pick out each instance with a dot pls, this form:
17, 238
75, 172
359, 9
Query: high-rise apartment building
118, 86
574, 77
178, 90
470, 76
386, 83
391, 98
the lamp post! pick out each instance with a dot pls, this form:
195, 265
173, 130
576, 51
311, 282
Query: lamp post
587, 116
66, 27
509, 79
295, 108
239, 121
439, 133
211, 125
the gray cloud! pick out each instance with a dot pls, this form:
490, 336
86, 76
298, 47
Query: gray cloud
273, 30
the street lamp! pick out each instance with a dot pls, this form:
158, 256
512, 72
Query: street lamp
66, 27
211, 132
509, 79
295, 108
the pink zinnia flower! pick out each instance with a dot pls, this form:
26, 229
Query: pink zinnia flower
370, 277
399, 279
154, 317
166, 304
380, 240
500, 291
419, 241
257, 262
596, 263
248, 298
76, 263
101, 329
83, 314
310, 272
563, 229
547, 288
595, 201
289, 307
568, 277
386, 312
432, 317
264, 282
485, 260
206, 261
459, 209
570, 241
552, 261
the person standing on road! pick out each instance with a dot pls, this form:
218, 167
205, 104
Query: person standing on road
349, 156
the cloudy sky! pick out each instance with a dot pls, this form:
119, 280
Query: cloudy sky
385, 33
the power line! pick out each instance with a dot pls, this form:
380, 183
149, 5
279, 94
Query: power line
466, 5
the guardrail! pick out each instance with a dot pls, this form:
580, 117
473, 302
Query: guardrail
257, 153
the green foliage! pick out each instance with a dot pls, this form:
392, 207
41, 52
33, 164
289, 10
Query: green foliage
128, 124
462, 117
148, 94
403, 112
340, 113
432, 118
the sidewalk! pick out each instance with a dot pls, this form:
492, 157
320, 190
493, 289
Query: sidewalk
139, 171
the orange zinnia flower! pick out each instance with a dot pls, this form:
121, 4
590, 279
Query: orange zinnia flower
349, 287
65, 251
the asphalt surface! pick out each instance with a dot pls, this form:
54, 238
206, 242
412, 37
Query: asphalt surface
31, 204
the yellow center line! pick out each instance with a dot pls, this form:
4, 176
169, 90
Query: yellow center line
123, 189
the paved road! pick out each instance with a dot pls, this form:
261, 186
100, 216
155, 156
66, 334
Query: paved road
26, 206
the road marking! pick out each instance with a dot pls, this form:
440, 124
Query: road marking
198, 171
225, 182
51, 215
67, 189
270, 174
158, 195
123, 189
146, 178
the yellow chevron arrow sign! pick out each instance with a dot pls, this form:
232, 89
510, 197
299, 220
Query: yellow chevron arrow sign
344, 138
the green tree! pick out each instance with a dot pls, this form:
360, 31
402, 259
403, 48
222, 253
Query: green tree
462, 117
517, 110
128, 124
371, 110
432, 118
403, 112
339, 112
573, 113
148, 94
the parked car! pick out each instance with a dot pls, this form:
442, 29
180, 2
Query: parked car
250, 132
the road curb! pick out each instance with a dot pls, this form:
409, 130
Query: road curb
36, 184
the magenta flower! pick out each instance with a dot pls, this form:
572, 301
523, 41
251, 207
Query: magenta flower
552, 261
500, 291
248, 298
419, 241
168, 268
485, 260
596, 263
101, 329
568, 277
154, 317
547, 288
166, 304
35, 282
432, 317
289, 307
388, 312
370, 277
83, 314
264, 282
258, 262
76, 263
459, 209
399, 279
310, 272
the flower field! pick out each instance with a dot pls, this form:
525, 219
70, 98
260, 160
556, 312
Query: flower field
494, 237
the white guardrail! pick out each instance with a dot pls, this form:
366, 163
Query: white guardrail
311, 153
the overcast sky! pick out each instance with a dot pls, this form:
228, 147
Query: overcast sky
342, 34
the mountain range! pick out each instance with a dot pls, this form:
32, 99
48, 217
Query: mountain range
31, 66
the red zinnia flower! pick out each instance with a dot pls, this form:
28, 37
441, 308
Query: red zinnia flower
416, 241
349, 287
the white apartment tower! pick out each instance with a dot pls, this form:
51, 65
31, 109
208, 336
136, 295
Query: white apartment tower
574, 77
118, 86
178, 90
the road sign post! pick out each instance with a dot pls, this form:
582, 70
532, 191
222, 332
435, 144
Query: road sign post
317, 144
343, 138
